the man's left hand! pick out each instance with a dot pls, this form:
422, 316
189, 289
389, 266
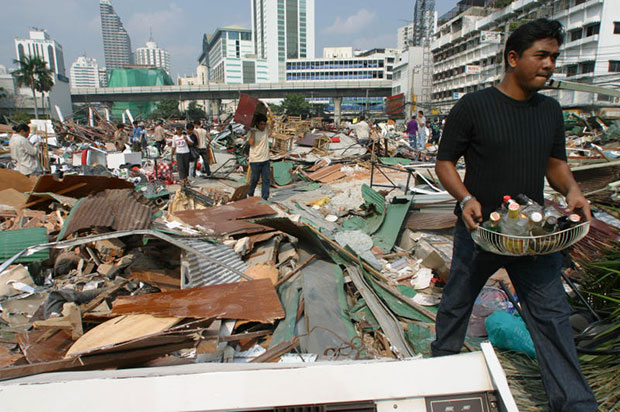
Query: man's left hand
577, 202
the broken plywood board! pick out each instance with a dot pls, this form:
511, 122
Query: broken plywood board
431, 221
254, 300
263, 271
12, 197
118, 330
50, 349
12, 179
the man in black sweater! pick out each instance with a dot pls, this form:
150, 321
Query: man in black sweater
511, 138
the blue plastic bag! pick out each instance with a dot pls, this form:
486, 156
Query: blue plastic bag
509, 332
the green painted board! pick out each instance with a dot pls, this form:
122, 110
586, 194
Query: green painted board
14, 241
391, 161
420, 338
373, 221
394, 217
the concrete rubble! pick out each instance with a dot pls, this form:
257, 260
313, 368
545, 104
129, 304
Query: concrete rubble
106, 262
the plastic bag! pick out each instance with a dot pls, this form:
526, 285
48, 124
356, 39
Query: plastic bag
508, 331
488, 301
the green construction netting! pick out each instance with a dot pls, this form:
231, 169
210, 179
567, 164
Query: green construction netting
133, 78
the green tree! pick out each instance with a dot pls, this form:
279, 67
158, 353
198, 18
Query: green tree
296, 105
44, 85
166, 109
195, 112
33, 72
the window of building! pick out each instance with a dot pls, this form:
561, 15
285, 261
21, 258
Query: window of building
587, 67
593, 29
571, 70
614, 66
575, 34
617, 27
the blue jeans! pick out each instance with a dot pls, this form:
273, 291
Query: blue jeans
545, 310
260, 169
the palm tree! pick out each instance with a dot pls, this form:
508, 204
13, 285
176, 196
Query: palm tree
33, 72
44, 85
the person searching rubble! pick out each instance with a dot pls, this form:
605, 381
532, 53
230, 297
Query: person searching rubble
258, 139
138, 137
180, 147
362, 131
23, 153
193, 149
120, 137
512, 137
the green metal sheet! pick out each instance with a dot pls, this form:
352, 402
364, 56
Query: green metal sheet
290, 293
375, 208
282, 173
420, 337
397, 306
394, 217
391, 161
14, 241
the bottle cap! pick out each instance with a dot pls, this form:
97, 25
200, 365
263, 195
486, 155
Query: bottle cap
574, 218
495, 217
551, 221
514, 206
536, 217
507, 198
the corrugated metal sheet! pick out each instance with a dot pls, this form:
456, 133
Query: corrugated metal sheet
76, 186
14, 241
119, 209
196, 271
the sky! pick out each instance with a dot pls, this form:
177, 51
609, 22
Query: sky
179, 25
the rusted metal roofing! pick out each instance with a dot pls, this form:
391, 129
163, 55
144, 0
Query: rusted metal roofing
196, 271
223, 219
254, 300
118, 209
76, 186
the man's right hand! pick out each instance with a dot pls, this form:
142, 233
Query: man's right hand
472, 214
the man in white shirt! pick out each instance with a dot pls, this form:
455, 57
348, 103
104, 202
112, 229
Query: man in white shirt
258, 138
23, 154
362, 131
203, 145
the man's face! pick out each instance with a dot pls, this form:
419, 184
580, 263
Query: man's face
261, 125
536, 65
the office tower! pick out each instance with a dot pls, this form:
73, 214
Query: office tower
405, 37
151, 55
41, 45
84, 72
116, 42
282, 29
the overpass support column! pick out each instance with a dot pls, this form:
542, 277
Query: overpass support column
215, 107
337, 110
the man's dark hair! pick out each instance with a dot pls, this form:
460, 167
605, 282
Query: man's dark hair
197, 122
120, 125
525, 35
260, 118
421, 112
362, 117
135, 122
22, 127
189, 126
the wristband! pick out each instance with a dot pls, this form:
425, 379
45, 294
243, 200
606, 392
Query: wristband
465, 200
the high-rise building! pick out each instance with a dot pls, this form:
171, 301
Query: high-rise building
283, 29
424, 23
84, 72
469, 44
116, 42
41, 45
103, 77
229, 55
405, 37
151, 55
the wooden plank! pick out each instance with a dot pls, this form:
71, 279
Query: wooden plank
118, 330
255, 300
